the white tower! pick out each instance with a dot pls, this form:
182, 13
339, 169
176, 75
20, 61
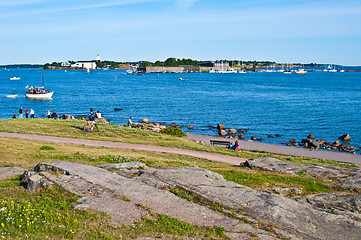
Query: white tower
98, 58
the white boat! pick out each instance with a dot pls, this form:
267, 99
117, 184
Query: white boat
15, 78
342, 70
242, 71
333, 69
287, 72
231, 70
12, 96
301, 71
39, 92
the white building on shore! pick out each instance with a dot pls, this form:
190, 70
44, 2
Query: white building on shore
85, 65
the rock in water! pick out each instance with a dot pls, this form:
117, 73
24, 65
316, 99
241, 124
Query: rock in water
145, 120
220, 126
345, 138
232, 131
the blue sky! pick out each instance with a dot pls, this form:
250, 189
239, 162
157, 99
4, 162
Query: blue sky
40, 31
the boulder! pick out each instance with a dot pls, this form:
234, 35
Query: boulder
279, 135
293, 141
220, 126
271, 136
240, 136
145, 121
253, 138
190, 127
102, 120
222, 133
310, 143
336, 144
345, 138
311, 136
66, 116
232, 131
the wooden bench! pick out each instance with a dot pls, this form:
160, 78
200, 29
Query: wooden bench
220, 143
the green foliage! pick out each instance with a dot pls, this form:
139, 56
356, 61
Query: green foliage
48, 214
46, 148
175, 132
257, 179
163, 224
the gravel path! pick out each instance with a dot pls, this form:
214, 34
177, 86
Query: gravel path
210, 156
246, 145
285, 150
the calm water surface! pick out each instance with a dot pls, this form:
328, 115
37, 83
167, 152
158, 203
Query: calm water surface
327, 105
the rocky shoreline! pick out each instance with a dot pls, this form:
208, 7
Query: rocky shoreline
309, 142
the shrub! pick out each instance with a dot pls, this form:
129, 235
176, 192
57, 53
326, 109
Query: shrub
176, 132
46, 148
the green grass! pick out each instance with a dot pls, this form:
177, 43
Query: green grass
111, 132
267, 179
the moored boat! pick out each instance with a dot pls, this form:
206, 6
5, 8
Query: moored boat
15, 78
300, 71
39, 92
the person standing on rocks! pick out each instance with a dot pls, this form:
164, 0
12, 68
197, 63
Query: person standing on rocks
48, 115
130, 122
26, 113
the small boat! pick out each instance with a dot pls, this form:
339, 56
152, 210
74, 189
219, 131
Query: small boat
15, 78
300, 71
181, 79
342, 70
287, 72
12, 96
39, 92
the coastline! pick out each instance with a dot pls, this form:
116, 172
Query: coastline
280, 149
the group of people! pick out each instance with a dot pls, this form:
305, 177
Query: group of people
31, 113
28, 114
93, 115
53, 115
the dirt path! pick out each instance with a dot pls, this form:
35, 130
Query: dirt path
210, 156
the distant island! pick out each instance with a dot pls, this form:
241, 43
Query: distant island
176, 65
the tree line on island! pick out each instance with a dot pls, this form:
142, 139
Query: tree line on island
169, 62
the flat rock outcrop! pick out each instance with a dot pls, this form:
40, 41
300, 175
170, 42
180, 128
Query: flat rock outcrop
128, 199
348, 179
6, 172
299, 219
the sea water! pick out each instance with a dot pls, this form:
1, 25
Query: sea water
325, 104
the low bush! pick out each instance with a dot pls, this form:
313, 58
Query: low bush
175, 132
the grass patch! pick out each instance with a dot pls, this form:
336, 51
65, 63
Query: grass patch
111, 132
47, 148
265, 179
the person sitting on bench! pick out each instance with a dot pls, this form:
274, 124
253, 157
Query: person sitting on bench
234, 147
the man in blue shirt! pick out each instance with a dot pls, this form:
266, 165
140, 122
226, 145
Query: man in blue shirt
91, 115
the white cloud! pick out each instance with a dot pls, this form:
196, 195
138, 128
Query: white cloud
184, 4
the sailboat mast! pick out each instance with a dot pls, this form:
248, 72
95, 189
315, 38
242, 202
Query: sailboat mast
42, 77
